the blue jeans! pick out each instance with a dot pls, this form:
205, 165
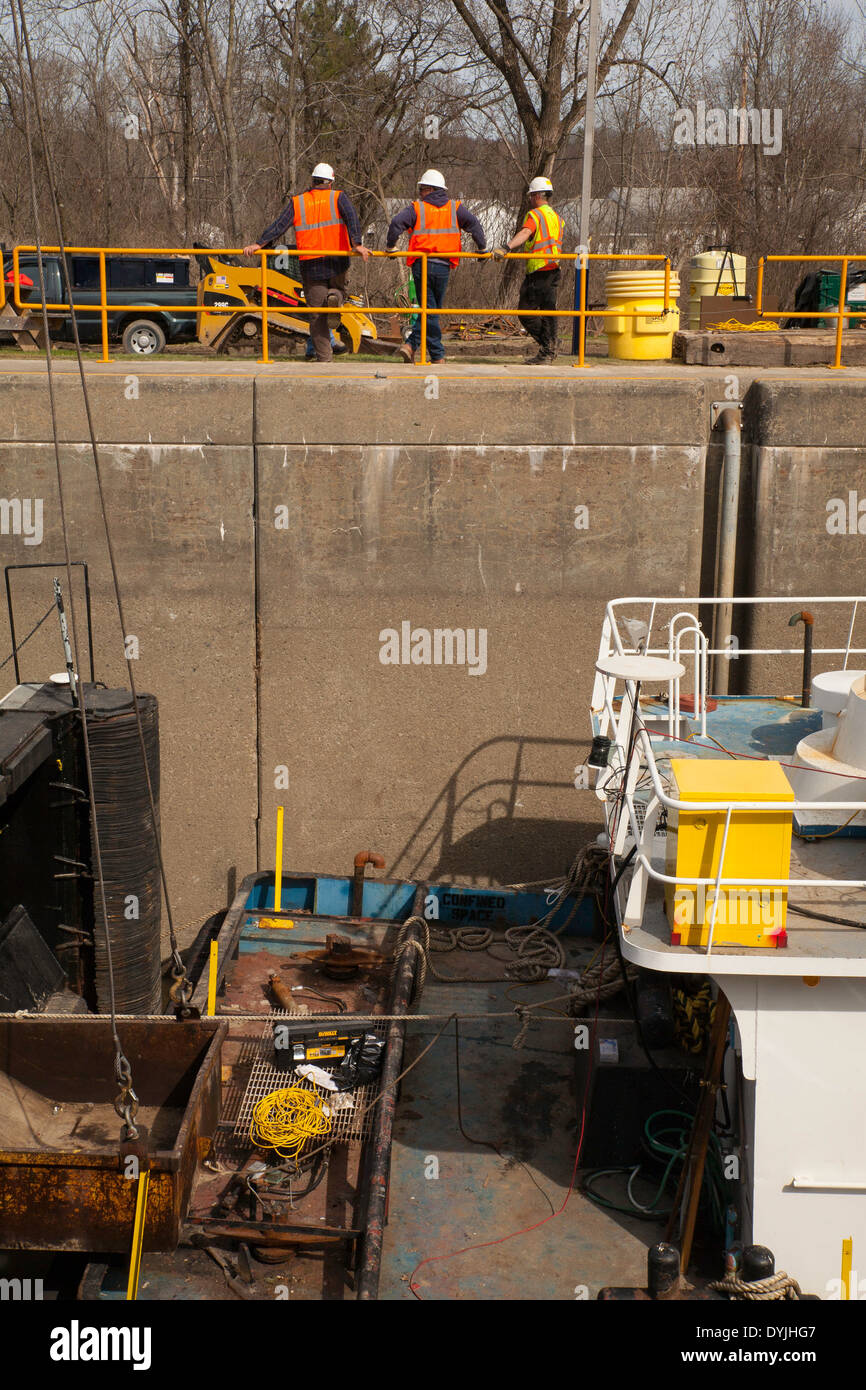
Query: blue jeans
437, 284
310, 351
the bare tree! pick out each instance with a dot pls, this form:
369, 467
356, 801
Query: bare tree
537, 52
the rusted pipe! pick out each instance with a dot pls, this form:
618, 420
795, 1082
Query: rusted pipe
808, 622
282, 995
379, 1159
362, 859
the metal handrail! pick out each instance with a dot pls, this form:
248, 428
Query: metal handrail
675, 641
581, 312
103, 308
839, 313
603, 706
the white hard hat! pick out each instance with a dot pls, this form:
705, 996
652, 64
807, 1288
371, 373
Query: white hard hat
541, 186
323, 171
432, 179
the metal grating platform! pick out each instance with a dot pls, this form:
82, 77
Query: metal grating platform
264, 1077
661, 829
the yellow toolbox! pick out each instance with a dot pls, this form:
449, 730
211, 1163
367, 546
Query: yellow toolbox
759, 846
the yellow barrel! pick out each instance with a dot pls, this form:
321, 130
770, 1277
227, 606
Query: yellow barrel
710, 269
642, 331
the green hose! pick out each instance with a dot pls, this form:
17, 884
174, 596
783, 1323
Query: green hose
667, 1144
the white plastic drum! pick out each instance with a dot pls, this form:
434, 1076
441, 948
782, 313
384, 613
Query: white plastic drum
830, 692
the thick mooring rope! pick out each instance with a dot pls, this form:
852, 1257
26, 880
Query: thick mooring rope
776, 1287
597, 982
533, 952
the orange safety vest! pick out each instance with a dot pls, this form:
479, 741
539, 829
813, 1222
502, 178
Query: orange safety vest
546, 240
436, 230
319, 229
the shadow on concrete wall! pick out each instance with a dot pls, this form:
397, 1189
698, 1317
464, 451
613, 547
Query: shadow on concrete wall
503, 846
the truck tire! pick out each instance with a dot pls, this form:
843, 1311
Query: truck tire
144, 337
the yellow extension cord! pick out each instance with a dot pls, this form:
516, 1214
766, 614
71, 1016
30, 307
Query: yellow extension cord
734, 326
285, 1120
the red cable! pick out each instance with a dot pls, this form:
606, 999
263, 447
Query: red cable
485, 1244
752, 757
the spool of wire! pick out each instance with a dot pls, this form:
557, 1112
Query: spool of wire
286, 1120
129, 858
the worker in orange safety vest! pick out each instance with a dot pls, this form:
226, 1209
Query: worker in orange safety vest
325, 222
542, 236
435, 223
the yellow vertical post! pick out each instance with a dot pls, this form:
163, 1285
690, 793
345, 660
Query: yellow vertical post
759, 293
264, 357
840, 312
103, 306
212, 979
137, 1236
423, 308
667, 284
847, 1260
584, 276
278, 863
16, 279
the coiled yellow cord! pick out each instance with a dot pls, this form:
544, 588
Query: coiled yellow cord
734, 326
285, 1120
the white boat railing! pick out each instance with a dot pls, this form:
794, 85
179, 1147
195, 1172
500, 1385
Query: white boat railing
633, 757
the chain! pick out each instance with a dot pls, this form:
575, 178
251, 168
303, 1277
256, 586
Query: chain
181, 992
126, 1102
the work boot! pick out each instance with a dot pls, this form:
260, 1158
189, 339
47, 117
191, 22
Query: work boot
542, 359
407, 352
334, 299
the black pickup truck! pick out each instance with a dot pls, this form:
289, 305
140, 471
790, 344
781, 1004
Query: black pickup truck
158, 288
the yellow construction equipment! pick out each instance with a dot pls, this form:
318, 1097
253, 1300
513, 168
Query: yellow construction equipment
226, 285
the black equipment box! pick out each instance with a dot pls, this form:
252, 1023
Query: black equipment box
297, 1041
625, 1090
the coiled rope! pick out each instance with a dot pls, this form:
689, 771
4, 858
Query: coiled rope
776, 1287
597, 982
693, 1017
533, 951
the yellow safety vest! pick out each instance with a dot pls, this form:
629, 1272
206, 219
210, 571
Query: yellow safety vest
546, 239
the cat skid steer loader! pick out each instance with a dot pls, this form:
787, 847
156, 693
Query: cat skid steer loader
225, 284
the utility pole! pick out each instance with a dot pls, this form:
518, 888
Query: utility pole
186, 122
586, 184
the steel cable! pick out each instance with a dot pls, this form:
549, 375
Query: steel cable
126, 1103
181, 991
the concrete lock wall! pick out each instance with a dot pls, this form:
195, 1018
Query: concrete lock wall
500, 514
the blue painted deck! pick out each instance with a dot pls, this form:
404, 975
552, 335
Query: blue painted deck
757, 727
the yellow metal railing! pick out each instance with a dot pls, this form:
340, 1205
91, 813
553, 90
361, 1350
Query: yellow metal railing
581, 312
104, 308
839, 313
